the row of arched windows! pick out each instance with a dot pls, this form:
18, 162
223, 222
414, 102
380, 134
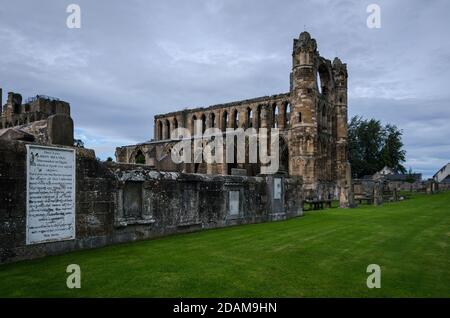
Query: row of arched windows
164, 127
277, 116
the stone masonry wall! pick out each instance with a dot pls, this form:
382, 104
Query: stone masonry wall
125, 202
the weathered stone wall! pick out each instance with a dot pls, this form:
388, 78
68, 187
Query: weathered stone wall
260, 112
14, 113
126, 202
374, 191
158, 154
42, 119
55, 130
417, 186
444, 186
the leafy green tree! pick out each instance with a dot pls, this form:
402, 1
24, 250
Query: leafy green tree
410, 177
392, 153
78, 143
373, 146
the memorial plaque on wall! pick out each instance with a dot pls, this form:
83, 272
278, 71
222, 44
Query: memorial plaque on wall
234, 202
277, 188
50, 194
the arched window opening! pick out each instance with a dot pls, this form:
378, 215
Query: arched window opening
139, 158
167, 130
224, 120
249, 117
203, 123
299, 117
284, 156
319, 83
194, 119
288, 115
323, 79
235, 119
16, 108
175, 123
275, 116
213, 120
258, 117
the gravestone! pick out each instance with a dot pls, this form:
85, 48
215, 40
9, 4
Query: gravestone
234, 202
277, 188
132, 199
60, 130
50, 194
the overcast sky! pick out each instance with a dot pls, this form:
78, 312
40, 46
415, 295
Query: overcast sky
131, 60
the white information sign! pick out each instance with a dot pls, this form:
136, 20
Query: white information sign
50, 194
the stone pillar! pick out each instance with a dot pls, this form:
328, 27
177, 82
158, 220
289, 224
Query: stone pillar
346, 195
255, 117
242, 116
436, 186
377, 193
231, 119
340, 75
432, 186
264, 116
164, 130
429, 188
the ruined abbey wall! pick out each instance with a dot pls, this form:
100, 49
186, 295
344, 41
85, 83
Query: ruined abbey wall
16, 113
311, 117
41, 119
118, 203
264, 112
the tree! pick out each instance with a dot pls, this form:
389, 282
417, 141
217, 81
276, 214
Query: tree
392, 154
78, 143
410, 177
373, 146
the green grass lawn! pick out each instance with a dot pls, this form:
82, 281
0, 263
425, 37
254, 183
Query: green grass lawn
321, 254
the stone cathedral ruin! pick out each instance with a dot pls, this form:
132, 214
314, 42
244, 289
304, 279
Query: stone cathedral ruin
312, 119
55, 197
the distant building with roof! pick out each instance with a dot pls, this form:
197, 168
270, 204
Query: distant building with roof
443, 175
390, 175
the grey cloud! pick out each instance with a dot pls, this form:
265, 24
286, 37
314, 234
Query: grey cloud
134, 59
